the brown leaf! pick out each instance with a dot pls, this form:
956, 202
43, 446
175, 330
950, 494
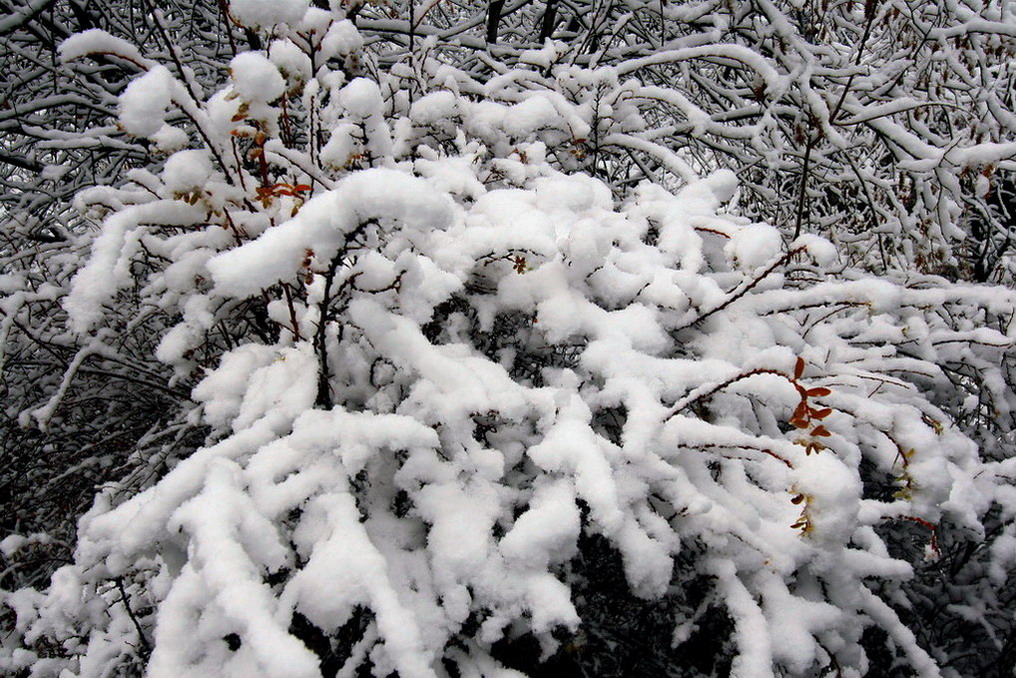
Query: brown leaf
821, 414
821, 432
818, 392
799, 368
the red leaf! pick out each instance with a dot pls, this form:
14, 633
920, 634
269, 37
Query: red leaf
821, 414
799, 368
821, 432
818, 392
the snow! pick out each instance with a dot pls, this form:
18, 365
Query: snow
107, 269
341, 38
541, 58
342, 146
187, 170
322, 224
266, 13
819, 249
169, 139
284, 481
293, 64
753, 247
11, 544
342, 545
256, 78
529, 116
434, 108
97, 41
145, 102
547, 531
833, 494
428, 385
361, 98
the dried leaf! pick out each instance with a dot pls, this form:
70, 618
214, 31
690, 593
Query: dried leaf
799, 368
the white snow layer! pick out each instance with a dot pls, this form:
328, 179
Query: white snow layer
473, 451
267, 13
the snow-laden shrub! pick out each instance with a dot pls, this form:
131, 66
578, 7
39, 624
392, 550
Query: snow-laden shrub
472, 409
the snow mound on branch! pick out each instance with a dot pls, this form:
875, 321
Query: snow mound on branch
256, 78
145, 103
108, 269
361, 98
753, 247
267, 13
97, 41
323, 224
821, 250
187, 170
446, 386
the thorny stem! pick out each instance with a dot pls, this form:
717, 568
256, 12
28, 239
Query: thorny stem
225, 20
693, 399
324, 391
292, 313
764, 450
744, 290
802, 193
130, 613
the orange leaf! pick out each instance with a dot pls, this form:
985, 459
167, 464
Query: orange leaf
818, 392
301, 188
821, 414
799, 423
821, 432
799, 368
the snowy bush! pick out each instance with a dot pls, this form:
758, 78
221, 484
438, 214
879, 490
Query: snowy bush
473, 405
